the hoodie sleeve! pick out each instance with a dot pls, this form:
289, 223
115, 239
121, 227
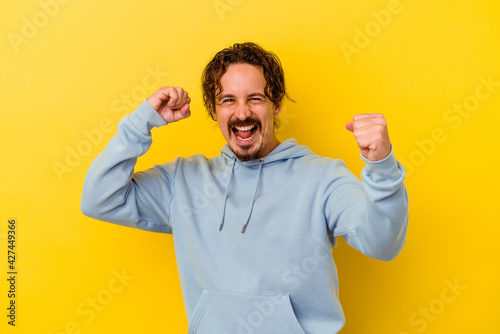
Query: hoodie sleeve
372, 216
113, 193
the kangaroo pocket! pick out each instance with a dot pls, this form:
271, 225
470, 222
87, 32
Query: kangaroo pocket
234, 313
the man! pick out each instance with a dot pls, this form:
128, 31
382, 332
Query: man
254, 226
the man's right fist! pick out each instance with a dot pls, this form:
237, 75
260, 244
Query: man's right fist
172, 103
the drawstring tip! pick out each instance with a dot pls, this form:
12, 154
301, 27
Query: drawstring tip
220, 227
243, 228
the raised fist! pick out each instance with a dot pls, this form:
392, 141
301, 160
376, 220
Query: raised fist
370, 131
172, 103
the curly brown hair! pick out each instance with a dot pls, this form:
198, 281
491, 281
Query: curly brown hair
243, 53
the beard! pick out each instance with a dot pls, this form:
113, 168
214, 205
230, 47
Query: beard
241, 151
246, 153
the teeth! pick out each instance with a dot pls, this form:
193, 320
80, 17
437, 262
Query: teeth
244, 128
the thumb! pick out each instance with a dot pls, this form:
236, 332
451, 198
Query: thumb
350, 126
185, 111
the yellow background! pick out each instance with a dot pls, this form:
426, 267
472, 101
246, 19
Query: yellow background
67, 77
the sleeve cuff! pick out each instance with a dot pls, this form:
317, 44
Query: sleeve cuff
146, 118
387, 169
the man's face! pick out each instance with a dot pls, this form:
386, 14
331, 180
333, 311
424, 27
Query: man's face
244, 113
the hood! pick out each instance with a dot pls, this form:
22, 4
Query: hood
289, 149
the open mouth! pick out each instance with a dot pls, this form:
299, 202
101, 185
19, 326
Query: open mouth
244, 134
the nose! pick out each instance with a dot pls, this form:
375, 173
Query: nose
242, 111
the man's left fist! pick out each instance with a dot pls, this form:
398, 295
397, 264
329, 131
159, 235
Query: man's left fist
370, 131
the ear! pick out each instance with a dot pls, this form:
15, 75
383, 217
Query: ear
213, 112
277, 110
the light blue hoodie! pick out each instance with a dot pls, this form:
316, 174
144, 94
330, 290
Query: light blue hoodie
277, 274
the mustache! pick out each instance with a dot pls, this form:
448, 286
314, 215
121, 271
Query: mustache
248, 121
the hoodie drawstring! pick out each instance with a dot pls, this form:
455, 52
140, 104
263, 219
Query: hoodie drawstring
225, 196
261, 162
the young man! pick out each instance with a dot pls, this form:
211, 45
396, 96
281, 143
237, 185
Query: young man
253, 227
